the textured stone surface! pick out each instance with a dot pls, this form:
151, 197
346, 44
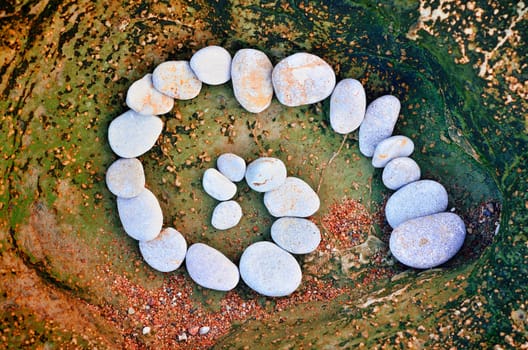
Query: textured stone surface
177, 80
400, 172
390, 148
347, 106
125, 178
166, 252
265, 174
226, 215
296, 235
212, 65
141, 216
143, 98
217, 185
293, 198
232, 166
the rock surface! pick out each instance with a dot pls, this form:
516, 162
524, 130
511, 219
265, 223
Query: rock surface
226, 215
217, 185
143, 98
296, 235
210, 268
293, 198
166, 252
419, 198
132, 134
212, 65
428, 241
270, 270
177, 80
302, 79
251, 76
265, 174
231, 166
390, 148
347, 106
141, 216
400, 172
125, 178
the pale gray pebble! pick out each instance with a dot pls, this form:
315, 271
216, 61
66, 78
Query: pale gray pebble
400, 172
428, 241
231, 166
131, 134
141, 216
204, 330
251, 76
265, 174
379, 122
302, 79
390, 148
270, 270
293, 198
212, 65
347, 106
177, 80
143, 98
166, 252
210, 268
125, 178
226, 215
217, 185
419, 198
146, 330
296, 235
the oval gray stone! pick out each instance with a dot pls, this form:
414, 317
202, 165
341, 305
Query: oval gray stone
177, 80
226, 215
347, 106
293, 198
265, 174
400, 172
379, 122
125, 178
212, 65
211, 269
132, 134
217, 185
141, 216
390, 148
419, 198
166, 252
143, 98
270, 270
428, 241
302, 79
296, 235
231, 166
251, 76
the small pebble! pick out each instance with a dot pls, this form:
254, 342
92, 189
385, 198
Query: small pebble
400, 172
204, 330
182, 337
131, 311
125, 178
141, 216
347, 106
265, 174
390, 148
143, 98
146, 330
217, 185
226, 215
166, 252
296, 235
231, 166
212, 65
177, 80
293, 198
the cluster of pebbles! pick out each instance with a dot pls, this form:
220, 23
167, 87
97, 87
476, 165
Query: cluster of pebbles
424, 234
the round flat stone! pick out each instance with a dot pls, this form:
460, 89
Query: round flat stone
212, 65
231, 166
125, 178
132, 134
217, 185
390, 148
428, 241
302, 79
166, 252
141, 216
296, 235
347, 106
226, 215
251, 76
211, 269
265, 174
270, 270
419, 198
143, 98
379, 122
400, 172
177, 80
293, 198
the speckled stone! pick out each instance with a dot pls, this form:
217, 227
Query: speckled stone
231, 166
379, 122
293, 198
143, 98
296, 235
141, 216
251, 76
390, 148
302, 79
210, 268
212, 65
428, 241
166, 252
347, 106
270, 270
177, 80
132, 134
419, 198
265, 174
400, 172
217, 185
125, 178
226, 215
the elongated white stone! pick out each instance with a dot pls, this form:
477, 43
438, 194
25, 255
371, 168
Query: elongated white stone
217, 185
212, 65
166, 252
125, 178
296, 235
293, 198
265, 174
347, 106
143, 98
141, 216
390, 148
177, 80
400, 172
